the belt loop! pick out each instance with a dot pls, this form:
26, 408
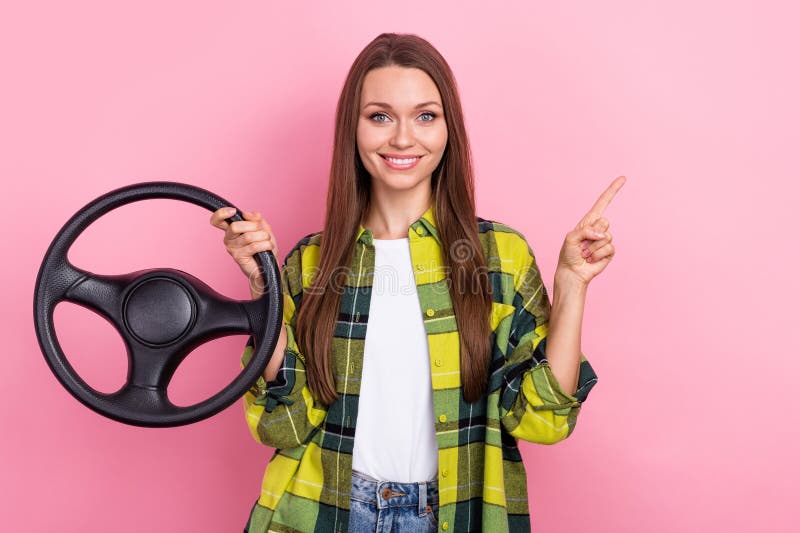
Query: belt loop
423, 497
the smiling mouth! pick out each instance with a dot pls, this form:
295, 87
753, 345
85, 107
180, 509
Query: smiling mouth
401, 160
401, 163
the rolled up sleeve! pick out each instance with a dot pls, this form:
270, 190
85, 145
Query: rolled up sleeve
533, 406
282, 413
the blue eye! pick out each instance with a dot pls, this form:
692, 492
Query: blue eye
372, 116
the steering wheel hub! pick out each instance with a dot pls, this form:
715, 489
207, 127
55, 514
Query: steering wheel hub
158, 311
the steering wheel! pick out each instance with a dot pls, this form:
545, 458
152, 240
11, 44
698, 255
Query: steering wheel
162, 315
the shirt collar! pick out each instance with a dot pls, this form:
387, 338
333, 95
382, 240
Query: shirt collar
424, 225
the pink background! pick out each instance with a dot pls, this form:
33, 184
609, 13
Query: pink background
688, 328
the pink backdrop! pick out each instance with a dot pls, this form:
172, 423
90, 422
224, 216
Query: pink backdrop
688, 328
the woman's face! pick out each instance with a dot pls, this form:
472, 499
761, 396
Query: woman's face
401, 116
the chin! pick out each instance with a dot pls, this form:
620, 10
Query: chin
400, 181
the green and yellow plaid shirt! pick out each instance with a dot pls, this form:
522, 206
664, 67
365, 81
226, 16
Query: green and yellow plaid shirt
482, 479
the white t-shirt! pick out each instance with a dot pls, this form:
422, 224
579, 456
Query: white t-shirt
395, 437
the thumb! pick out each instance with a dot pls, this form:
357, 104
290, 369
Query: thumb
589, 232
585, 233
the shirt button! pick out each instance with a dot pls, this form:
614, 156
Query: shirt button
444, 473
442, 418
438, 362
429, 312
445, 525
420, 267
420, 231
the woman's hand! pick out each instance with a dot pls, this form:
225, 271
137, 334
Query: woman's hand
243, 239
587, 249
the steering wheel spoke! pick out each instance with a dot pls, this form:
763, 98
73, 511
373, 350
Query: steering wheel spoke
152, 367
218, 315
99, 293
147, 401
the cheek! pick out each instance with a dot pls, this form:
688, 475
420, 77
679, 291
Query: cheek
443, 136
364, 154
436, 139
361, 141
367, 138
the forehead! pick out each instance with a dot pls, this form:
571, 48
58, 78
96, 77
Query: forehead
401, 87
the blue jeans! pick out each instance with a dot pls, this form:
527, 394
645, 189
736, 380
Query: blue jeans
377, 505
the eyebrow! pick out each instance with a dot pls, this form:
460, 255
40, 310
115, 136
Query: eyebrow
387, 106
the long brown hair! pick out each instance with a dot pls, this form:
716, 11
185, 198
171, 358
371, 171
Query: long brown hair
348, 201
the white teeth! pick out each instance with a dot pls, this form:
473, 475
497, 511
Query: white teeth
402, 161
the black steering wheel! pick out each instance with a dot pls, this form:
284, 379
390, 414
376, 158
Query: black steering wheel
162, 314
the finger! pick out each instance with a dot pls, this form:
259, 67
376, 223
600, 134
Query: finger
585, 233
218, 217
592, 250
583, 237
600, 226
255, 247
596, 245
605, 198
255, 216
241, 226
236, 228
247, 252
250, 237
604, 251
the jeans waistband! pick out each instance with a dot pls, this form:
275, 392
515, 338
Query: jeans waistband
385, 494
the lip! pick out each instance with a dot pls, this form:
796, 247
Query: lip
400, 156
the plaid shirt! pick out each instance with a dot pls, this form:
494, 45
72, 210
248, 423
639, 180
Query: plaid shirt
482, 479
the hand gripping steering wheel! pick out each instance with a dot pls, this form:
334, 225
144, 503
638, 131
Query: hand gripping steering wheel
162, 314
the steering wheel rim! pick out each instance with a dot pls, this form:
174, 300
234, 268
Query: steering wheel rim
162, 315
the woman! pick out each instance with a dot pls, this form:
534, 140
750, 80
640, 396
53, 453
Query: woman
452, 369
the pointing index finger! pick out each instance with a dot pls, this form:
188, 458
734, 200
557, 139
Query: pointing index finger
605, 198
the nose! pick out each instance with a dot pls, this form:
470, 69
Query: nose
403, 135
